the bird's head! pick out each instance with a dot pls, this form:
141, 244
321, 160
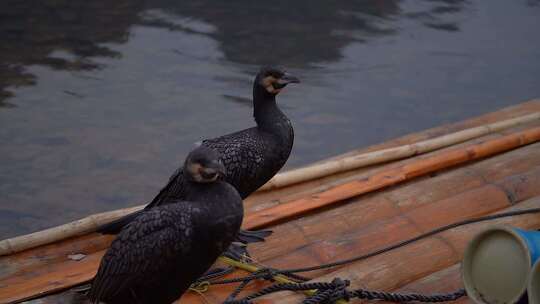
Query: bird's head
273, 79
203, 165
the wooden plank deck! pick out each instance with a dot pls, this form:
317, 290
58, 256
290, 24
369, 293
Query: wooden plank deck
357, 225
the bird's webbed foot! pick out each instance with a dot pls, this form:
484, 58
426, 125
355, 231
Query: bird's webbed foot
237, 251
252, 236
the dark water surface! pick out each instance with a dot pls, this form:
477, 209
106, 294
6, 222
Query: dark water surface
101, 100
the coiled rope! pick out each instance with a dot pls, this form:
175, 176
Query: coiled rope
337, 289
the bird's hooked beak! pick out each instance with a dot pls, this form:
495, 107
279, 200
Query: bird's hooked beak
218, 167
288, 78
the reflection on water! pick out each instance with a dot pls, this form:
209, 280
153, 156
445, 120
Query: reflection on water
100, 100
291, 33
66, 35
63, 35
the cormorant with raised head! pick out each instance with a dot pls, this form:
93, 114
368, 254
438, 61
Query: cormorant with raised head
251, 156
157, 256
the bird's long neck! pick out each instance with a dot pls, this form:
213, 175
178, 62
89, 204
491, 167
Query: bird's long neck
267, 114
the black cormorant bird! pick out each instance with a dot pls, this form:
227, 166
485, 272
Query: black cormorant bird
251, 156
157, 256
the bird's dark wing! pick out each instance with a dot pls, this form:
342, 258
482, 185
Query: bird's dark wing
243, 154
117, 225
147, 246
173, 189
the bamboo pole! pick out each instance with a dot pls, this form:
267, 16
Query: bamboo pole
91, 223
389, 177
367, 159
75, 228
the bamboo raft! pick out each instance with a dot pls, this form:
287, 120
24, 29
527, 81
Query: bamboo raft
339, 208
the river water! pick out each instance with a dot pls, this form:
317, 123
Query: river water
101, 100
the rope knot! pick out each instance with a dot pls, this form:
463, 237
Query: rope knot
329, 292
340, 290
267, 273
339, 283
233, 301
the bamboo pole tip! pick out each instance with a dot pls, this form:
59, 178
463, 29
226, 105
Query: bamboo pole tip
6, 248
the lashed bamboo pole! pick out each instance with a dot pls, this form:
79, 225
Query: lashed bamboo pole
390, 177
367, 159
279, 213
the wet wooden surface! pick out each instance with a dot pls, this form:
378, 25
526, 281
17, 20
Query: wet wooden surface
357, 225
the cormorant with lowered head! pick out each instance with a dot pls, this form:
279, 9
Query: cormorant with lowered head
157, 256
251, 156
